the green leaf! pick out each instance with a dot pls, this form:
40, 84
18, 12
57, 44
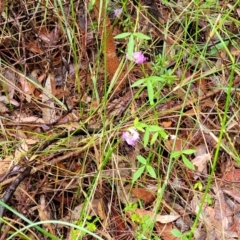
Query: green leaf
154, 128
163, 134
139, 82
122, 35
151, 171
136, 121
138, 173
176, 154
187, 163
146, 137
130, 47
188, 151
141, 159
218, 47
141, 36
155, 79
176, 233
138, 125
150, 92
154, 138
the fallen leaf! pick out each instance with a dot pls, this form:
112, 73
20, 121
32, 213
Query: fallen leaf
233, 176
31, 119
164, 231
7, 100
27, 86
21, 150
144, 194
166, 124
157, 217
201, 161
6, 164
45, 214
48, 112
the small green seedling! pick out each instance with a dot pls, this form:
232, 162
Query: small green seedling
182, 154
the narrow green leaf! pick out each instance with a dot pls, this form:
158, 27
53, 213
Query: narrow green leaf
176, 154
141, 159
138, 82
154, 78
130, 47
154, 138
154, 128
151, 171
141, 36
187, 163
188, 151
122, 35
163, 134
138, 173
150, 92
146, 137
218, 47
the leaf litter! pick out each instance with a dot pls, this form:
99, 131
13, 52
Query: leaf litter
74, 79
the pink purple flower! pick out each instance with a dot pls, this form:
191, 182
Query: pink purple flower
118, 12
131, 136
138, 57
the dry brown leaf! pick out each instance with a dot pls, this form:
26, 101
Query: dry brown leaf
201, 162
48, 36
164, 231
9, 81
6, 164
31, 119
34, 47
213, 226
21, 150
27, 86
166, 124
144, 194
234, 195
179, 145
48, 112
7, 100
44, 214
233, 176
119, 222
157, 217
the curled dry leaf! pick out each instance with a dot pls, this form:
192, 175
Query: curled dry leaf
48, 112
48, 36
31, 119
27, 86
201, 161
157, 217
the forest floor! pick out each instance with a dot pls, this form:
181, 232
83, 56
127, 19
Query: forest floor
119, 119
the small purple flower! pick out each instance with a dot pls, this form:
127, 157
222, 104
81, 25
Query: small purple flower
131, 136
138, 57
118, 12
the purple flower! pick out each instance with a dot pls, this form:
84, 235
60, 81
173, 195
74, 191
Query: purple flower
138, 57
118, 12
131, 136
